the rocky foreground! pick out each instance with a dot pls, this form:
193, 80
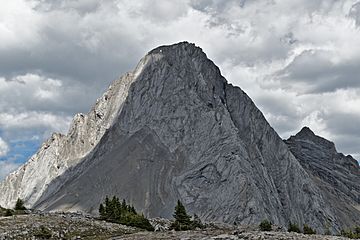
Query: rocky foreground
59, 226
224, 235
77, 226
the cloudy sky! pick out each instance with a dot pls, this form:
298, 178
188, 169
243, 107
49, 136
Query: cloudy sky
299, 60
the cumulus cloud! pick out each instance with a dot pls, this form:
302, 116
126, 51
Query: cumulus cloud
7, 167
4, 148
300, 67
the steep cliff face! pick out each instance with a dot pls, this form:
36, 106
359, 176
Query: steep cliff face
338, 176
184, 133
60, 152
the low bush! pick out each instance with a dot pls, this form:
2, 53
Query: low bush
293, 227
351, 234
308, 230
265, 225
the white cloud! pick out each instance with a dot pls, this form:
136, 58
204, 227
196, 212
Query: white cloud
4, 148
7, 167
19, 24
21, 126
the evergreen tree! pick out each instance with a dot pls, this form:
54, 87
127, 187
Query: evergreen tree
182, 219
8, 213
123, 205
107, 207
123, 213
132, 209
102, 211
19, 205
196, 223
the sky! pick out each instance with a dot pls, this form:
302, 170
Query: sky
298, 60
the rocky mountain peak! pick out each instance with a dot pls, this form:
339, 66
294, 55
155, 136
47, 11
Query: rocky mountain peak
309, 137
181, 49
305, 132
336, 174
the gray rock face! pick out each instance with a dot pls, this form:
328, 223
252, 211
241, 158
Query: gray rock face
338, 176
178, 130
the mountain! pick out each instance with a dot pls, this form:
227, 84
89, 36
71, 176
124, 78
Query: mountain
175, 129
337, 175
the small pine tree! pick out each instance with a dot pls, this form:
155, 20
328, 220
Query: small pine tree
196, 223
357, 230
132, 209
102, 211
348, 233
182, 219
114, 211
293, 227
265, 225
19, 205
308, 230
8, 213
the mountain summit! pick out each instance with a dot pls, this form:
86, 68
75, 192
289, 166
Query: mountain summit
174, 129
338, 176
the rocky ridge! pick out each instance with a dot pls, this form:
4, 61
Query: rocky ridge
337, 175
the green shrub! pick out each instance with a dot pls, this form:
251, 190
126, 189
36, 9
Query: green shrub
357, 230
293, 227
308, 230
265, 225
351, 234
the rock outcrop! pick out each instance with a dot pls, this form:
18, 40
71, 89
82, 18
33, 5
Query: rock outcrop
337, 175
175, 129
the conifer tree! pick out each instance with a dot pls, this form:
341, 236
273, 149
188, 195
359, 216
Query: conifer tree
196, 223
19, 205
182, 219
102, 211
114, 211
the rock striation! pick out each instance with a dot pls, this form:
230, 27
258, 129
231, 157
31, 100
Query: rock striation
337, 175
175, 129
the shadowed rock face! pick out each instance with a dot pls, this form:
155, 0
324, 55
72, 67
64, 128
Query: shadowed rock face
182, 132
338, 176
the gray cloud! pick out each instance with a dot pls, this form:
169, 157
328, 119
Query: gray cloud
317, 70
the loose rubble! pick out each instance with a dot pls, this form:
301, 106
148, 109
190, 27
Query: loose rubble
59, 226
